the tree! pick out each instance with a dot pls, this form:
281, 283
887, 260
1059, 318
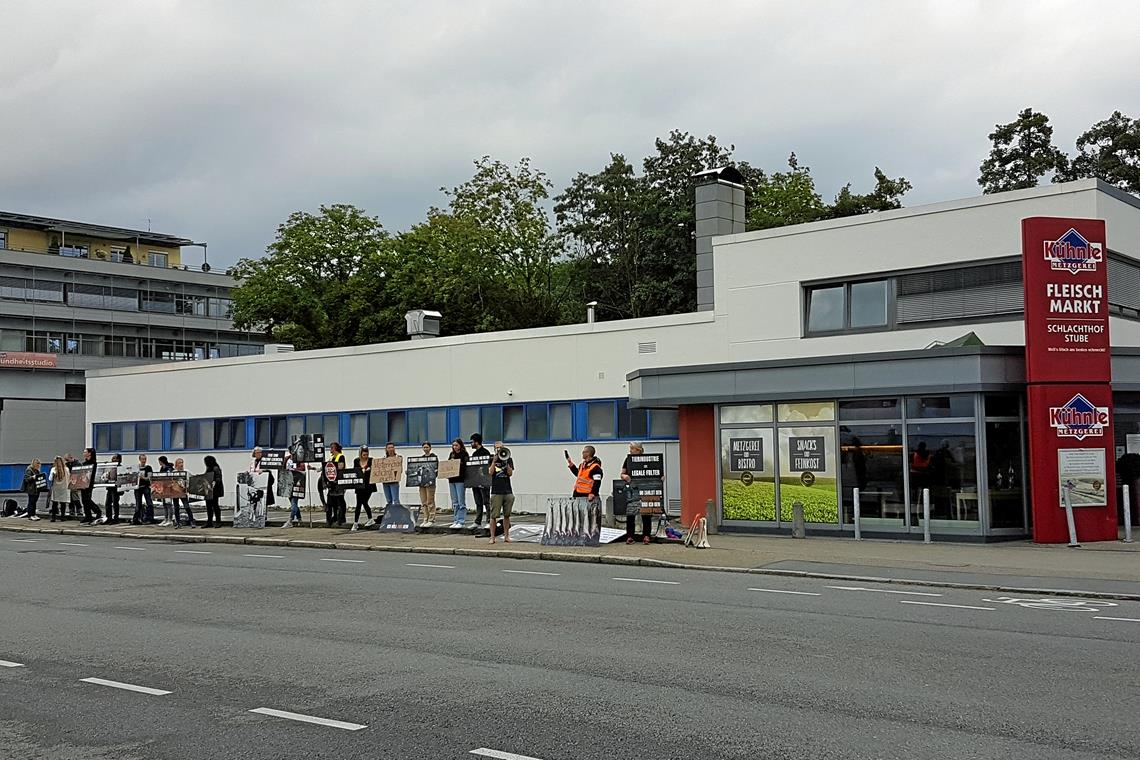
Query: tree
1109, 150
781, 198
306, 290
886, 196
1022, 153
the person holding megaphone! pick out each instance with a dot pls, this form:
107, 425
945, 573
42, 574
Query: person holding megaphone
502, 496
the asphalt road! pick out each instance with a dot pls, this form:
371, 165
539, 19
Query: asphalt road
437, 657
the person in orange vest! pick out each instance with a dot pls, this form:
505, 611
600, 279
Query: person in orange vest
589, 474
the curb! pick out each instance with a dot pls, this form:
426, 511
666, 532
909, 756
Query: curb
606, 559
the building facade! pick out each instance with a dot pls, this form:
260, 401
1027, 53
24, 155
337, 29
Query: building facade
882, 352
76, 297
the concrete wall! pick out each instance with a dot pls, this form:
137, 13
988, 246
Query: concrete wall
42, 429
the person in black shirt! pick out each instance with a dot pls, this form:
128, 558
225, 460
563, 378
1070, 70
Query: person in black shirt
89, 507
479, 458
455, 484
142, 493
502, 497
635, 449
213, 509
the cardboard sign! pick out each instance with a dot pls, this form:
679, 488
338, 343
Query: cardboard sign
387, 469
478, 474
449, 468
422, 471
169, 485
79, 479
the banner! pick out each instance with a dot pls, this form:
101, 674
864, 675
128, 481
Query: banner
127, 477
272, 459
79, 479
573, 521
106, 474
251, 489
201, 485
422, 471
387, 469
168, 485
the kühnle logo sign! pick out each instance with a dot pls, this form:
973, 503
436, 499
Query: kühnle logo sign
1078, 419
1072, 253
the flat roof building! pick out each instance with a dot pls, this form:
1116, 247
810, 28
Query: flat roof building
883, 352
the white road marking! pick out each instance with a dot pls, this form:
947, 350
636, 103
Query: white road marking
420, 564
330, 559
646, 580
189, 551
882, 590
266, 556
780, 591
126, 686
64, 543
26, 540
529, 572
1122, 620
955, 606
132, 548
7, 664
483, 751
308, 719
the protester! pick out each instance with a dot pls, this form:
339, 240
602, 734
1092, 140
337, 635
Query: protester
142, 494
589, 474
31, 487
456, 486
635, 449
392, 490
213, 510
89, 507
502, 497
427, 492
480, 459
73, 505
255, 467
111, 500
60, 495
362, 465
180, 466
164, 465
293, 466
337, 495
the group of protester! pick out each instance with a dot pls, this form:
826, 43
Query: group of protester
495, 500
74, 498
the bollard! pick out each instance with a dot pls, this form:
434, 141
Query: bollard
710, 517
798, 529
855, 501
1127, 516
926, 515
1065, 491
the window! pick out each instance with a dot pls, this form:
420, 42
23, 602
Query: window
156, 301
270, 431
825, 309
869, 304
115, 437
330, 426
632, 423
357, 429
854, 306
663, 423
229, 433
73, 251
437, 426
561, 422
221, 308
156, 259
102, 437
397, 428
741, 413
417, 426
492, 423
600, 419
537, 426
119, 254
3, 238
869, 409
468, 422
129, 435
178, 435
960, 293
74, 392
192, 305
377, 428
514, 423
933, 407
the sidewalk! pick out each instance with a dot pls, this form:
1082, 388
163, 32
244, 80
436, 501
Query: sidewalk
1101, 569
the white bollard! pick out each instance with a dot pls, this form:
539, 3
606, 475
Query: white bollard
1066, 490
926, 515
1127, 517
855, 499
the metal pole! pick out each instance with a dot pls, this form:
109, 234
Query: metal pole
926, 515
858, 531
1065, 490
1127, 516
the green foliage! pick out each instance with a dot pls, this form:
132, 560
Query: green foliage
781, 198
1109, 150
1022, 153
886, 196
754, 502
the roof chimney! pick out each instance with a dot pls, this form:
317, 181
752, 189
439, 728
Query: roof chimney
719, 211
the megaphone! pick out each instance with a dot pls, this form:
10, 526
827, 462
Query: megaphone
503, 454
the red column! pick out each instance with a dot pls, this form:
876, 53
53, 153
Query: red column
698, 460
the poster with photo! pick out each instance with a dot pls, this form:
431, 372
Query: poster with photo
127, 477
251, 490
1083, 472
573, 521
169, 485
397, 519
285, 482
422, 471
478, 471
272, 459
80, 477
387, 469
200, 485
106, 474
307, 448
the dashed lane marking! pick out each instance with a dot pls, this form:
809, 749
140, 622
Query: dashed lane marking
189, 551
646, 580
484, 752
781, 591
938, 604
308, 719
265, 556
26, 540
1122, 620
9, 664
331, 559
529, 572
126, 686
132, 548
421, 564
883, 590
64, 543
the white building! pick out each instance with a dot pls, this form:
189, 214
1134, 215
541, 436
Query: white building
827, 327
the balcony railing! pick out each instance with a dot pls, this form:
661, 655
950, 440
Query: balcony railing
108, 257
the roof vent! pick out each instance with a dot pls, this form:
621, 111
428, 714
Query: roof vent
423, 323
278, 348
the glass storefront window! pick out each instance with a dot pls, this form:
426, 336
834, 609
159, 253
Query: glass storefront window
1005, 474
748, 474
751, 413
933, 407
808, 473
812, 411
943, 458
871, 458
869, 409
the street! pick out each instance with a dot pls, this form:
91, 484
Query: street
139, 649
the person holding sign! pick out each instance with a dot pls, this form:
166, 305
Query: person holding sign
180, 466
337, 506
455, 483
142, 493
392, 487
502, 497
479, 476
57, 483
363, 467
635, 449
31, 487
588, 482
427, 488
89, 506
213, 509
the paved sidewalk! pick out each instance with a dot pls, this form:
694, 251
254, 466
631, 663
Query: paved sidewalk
1108, 568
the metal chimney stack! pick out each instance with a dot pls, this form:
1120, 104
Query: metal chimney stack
719, 211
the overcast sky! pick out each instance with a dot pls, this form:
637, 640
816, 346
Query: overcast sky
215, 120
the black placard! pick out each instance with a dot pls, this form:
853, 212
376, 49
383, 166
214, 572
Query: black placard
477, 471
272, 459
806, 454
746, 454
421, 471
